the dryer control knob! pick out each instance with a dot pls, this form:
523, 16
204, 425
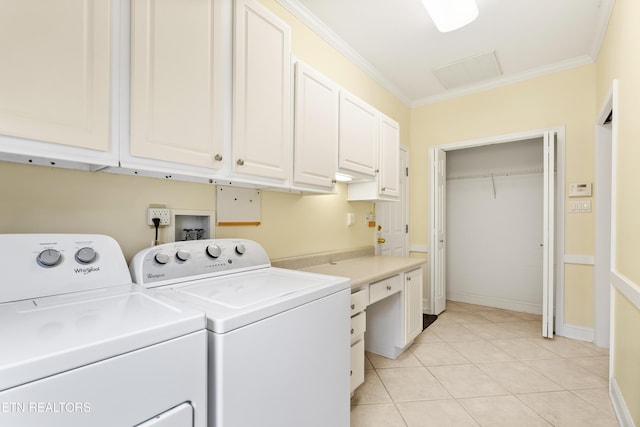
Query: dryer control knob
214, 251
240, 249
161, 258
49, 258
86, 255
183, 254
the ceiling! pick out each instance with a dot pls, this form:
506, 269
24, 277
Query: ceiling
396, 42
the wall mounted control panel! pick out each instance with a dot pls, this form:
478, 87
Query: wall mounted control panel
580, 189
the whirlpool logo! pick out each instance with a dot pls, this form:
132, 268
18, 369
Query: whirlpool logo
87, 270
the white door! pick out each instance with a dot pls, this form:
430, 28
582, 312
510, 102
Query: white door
393, 217
548, 233
438, 231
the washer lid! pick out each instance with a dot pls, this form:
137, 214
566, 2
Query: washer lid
236, 300
43, 337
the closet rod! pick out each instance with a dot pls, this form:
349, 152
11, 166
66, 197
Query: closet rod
490, 175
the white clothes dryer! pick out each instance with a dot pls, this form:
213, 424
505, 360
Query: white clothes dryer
279, 340
80, 345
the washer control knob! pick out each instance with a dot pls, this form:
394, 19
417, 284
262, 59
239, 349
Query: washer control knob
49, 257
214, 251
240, 249
86, 255
183, 254
161, 258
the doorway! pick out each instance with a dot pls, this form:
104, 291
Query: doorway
552, 219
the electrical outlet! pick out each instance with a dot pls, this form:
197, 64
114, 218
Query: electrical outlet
162, 213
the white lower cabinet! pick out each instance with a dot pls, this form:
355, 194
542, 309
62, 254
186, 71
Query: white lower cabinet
357, 364
412, 305
359, 300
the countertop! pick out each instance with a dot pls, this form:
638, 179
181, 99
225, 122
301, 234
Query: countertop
368, 269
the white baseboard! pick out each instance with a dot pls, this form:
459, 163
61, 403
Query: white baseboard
578, 332
619, 405
495, 302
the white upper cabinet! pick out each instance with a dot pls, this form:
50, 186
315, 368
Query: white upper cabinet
386, 185
358, 137
315, 129
55, 79
389, 158
177, 82
262, 102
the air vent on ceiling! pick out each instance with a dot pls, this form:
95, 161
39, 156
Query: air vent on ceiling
468, 70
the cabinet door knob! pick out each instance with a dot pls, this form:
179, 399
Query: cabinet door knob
388, 287
353, 306
352, 331
218, 157
240, 162
408, 279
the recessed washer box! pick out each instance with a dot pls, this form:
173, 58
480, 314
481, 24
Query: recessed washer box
191, 225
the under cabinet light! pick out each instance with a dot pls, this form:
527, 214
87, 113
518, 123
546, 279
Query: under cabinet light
449, 15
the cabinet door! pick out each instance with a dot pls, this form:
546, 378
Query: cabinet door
315, 128
261, 92
176, 94
55, 73
389, 164
412, 305
358, 137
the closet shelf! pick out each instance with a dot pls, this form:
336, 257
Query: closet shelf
496, 174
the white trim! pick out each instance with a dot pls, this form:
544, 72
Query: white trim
600, 29
578, 332
579, 259
626, 287
328, 35
424, 249
619, 405
504, 304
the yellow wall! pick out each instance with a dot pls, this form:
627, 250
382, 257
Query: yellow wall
565, 98
619, 60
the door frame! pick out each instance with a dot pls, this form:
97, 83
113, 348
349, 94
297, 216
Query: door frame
559, 202
605, 228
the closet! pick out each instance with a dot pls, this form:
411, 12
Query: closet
494, 217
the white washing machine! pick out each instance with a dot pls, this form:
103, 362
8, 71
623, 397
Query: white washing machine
279, 346
80, 346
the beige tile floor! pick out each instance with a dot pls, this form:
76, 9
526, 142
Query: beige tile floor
480, 366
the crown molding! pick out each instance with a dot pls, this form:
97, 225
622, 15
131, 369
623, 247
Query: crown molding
328, 35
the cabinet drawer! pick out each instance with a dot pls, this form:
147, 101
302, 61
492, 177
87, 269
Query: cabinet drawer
384, 288
359, 301
357, 365
358, 324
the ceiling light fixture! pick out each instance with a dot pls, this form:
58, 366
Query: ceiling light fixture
449, 15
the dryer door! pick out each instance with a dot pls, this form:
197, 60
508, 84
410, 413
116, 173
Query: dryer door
180, 416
